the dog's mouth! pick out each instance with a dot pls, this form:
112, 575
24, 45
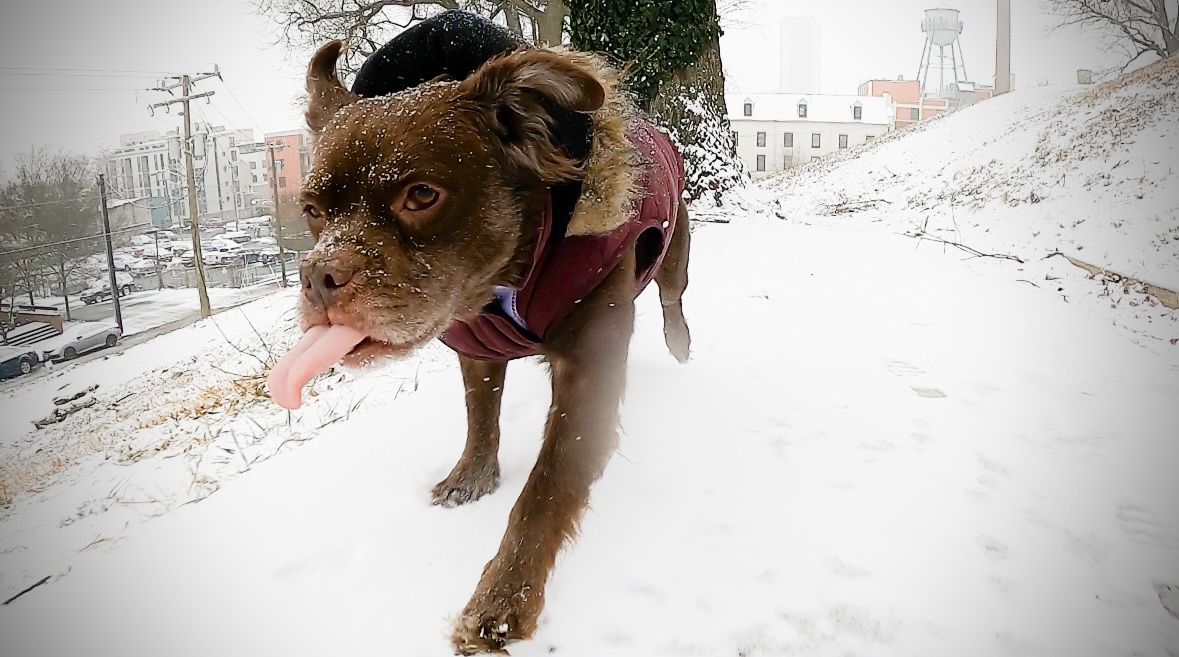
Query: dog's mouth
321, 347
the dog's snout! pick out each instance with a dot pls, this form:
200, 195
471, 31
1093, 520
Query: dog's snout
323, 280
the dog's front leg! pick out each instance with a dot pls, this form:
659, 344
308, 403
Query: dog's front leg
588, 356
477, 472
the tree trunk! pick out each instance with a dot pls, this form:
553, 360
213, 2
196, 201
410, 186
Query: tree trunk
550, 24
65, 288
691, 106
512, 18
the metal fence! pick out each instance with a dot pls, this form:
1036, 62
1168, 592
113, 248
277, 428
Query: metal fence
231, 275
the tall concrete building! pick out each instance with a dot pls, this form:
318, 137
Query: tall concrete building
800, 56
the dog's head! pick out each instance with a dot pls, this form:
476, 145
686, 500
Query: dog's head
415, 199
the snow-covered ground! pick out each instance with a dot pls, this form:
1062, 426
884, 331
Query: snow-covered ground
879, 447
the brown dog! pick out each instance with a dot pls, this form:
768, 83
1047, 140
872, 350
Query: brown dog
431, 213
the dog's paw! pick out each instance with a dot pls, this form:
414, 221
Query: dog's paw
473, 636
489, 623
679, 341
466, 484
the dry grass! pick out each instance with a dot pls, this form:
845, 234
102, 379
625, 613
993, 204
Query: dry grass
1118, 111
189, 408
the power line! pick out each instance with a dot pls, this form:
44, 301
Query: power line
77, 75
83, 70
127, 229
33, 205
242, 108
71, 89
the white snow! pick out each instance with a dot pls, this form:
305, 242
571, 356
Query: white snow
879, 447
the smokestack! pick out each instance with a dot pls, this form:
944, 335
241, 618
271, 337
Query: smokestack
1003, 48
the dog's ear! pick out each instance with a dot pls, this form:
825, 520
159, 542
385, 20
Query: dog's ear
519, 91
325, 94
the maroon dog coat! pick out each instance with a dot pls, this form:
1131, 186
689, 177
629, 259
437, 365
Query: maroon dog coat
564, 271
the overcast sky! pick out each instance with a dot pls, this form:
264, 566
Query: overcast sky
861, 39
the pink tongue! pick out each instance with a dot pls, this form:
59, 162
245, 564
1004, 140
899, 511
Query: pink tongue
317, 350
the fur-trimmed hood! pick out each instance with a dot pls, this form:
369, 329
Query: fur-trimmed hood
614, 167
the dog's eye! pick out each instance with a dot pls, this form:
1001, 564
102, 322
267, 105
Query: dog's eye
311, 211
420, 197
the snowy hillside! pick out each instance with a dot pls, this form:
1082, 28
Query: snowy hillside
1090, 173
879, 446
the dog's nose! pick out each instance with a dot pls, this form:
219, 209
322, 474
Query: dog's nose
322, 281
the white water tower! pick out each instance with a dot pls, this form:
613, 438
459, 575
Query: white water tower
942, 29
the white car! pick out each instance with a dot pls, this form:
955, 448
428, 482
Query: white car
238, 236
143, 267
79, 339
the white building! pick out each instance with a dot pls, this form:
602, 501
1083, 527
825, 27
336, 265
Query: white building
779, 131
151, 164
800, 56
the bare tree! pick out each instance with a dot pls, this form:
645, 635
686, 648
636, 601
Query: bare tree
1138, 27
49, 219
368, 24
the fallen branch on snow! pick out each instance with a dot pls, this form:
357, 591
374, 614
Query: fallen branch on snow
922, 235
60, 413
851, 207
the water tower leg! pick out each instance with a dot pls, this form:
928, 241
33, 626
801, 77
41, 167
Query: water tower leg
954, 60
941, 70
962, 58
923, 66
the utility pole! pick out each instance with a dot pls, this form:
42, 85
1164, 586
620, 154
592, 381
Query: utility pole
110, 252
1003, 47
234, 192
282, 254
159, 277
185, 85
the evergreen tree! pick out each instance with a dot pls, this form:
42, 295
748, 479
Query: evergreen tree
671, 52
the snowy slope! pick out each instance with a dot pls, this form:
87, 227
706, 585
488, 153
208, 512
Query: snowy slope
874, 451
1088, 172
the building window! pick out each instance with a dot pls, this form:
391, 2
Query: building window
816, 140
761, 140
915, 114
843, 141
869, 137
144, 175
748, 109
785, 161
788, 140
233, 153
736, 140
857, 112
253, 165
802, 110
761, 163
282, 181
254, 177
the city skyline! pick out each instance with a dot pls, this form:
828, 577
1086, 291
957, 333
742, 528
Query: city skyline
83, 111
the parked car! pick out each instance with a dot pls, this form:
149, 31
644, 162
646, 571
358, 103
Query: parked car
81, 338
239, 236
268, 254
143, 267
101, 288
15, 361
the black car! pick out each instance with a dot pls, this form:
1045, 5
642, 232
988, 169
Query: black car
15, 361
